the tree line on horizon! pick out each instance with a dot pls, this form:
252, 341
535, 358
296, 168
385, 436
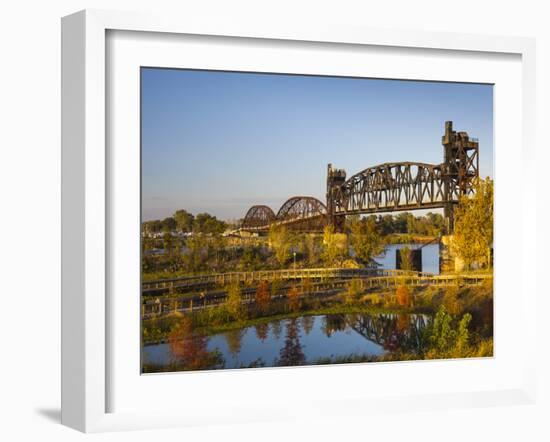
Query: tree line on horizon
185, 222
430, 224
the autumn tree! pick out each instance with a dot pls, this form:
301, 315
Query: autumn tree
263, 296
403, 294
293, 299
310, 248
280, 242
473, 230
335, 246
234, 301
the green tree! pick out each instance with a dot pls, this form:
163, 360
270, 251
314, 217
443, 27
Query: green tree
184, 220
463, 336
473, 232
365, 239
168, 242
280, 242
443, 336
208, 224
168, 224
194, 257
150, 227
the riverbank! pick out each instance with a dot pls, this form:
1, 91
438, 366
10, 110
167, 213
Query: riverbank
331, 334
475, 300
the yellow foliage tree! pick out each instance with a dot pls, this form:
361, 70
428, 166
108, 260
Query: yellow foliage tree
473, 231
335, 246
233, 301
280, 242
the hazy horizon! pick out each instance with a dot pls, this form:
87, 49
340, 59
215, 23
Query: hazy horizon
220, 142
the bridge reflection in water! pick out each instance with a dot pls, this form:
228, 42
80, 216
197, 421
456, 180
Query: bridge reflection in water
302, 341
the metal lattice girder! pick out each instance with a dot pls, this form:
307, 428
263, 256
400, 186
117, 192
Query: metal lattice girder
258, 216
389, 187
303, 213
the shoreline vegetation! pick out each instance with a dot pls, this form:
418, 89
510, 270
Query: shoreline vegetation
188, 245
459, 324
460, 317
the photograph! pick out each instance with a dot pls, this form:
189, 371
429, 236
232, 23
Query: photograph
301, 220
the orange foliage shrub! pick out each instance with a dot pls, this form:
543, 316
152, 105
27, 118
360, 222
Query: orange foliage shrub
403, 295
294, 299
263, 296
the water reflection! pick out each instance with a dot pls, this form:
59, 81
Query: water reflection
291, 353
298, 341
233, 339
262, 331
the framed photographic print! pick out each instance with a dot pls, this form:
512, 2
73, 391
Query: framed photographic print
239, 200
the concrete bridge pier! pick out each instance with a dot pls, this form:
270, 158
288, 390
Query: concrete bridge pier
448, 260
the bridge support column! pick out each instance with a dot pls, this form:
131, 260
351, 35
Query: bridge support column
448, 260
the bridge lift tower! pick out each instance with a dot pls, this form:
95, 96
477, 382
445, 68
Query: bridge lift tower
460, 169
408, 185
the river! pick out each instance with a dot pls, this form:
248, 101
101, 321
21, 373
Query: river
298, 341
430, 256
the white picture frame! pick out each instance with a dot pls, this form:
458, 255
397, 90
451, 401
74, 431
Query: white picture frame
86, 356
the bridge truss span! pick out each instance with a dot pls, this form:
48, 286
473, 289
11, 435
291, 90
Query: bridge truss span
391, 187
304, 213
388, 187
258, 217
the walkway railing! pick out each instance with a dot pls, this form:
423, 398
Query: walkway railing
223, 279
162, 305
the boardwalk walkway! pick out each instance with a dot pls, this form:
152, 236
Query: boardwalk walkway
164, 297
222, 279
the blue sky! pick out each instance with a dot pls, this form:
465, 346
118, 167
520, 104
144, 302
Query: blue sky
220, 142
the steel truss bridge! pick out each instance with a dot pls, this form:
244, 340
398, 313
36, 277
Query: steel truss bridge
386, 188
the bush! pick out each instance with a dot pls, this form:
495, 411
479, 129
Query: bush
355, 287
451, 301
374, 299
